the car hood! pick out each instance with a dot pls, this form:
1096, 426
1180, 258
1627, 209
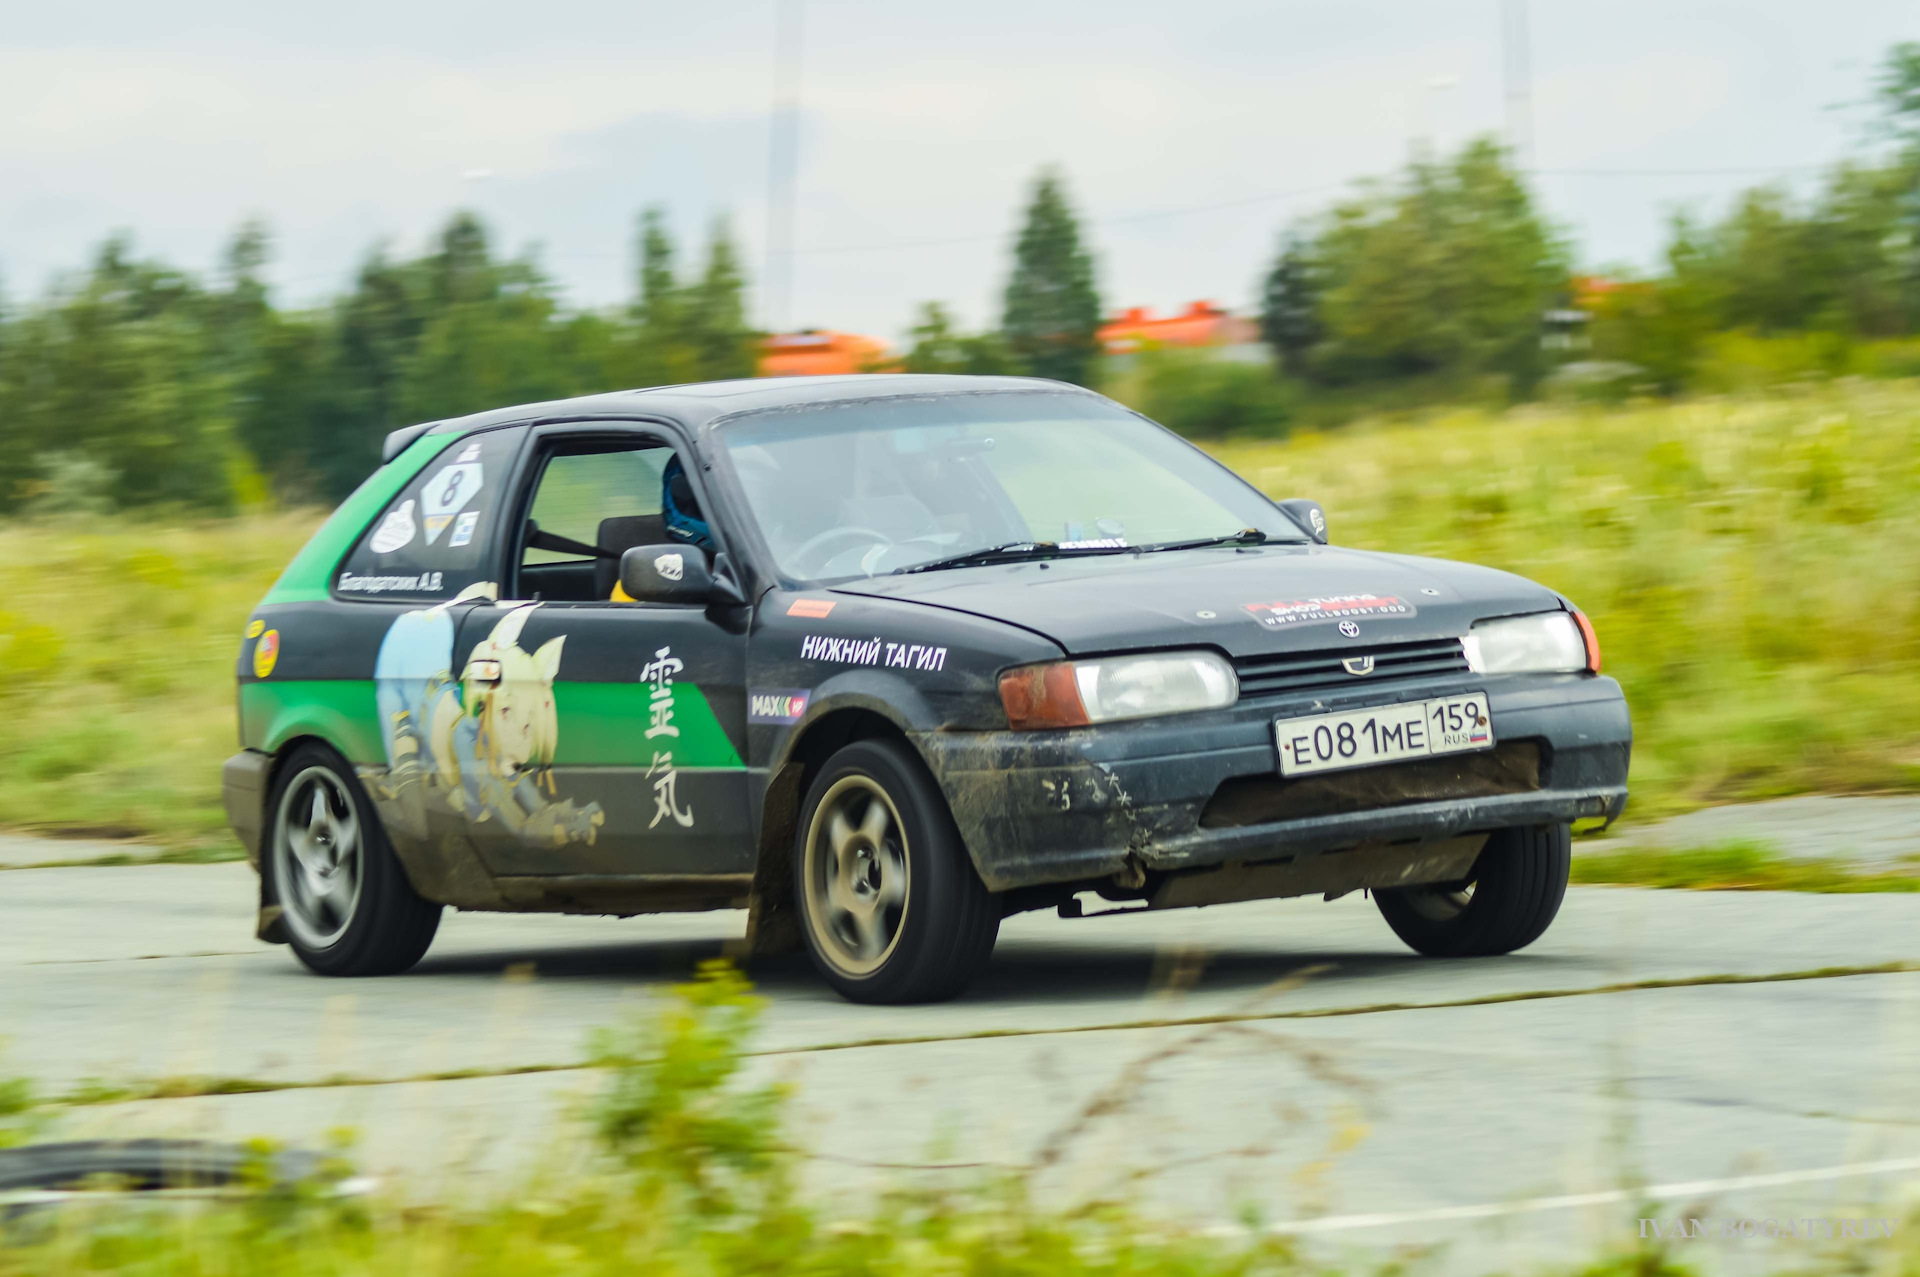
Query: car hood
1246, 600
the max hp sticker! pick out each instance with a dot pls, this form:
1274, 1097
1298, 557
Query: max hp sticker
777, 705
266, 652
1287, 613
815, 608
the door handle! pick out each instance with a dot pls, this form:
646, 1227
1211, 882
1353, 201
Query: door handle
483, 671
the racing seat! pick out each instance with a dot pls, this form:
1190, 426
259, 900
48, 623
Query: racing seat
619, 535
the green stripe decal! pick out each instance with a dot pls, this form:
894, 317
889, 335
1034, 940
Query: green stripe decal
601, 724
339, 711
308, 577
605, 725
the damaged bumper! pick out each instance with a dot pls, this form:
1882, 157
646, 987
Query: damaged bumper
1199, 791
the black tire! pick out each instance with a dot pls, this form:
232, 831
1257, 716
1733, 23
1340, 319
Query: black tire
361, 917
892, 909
1508, 903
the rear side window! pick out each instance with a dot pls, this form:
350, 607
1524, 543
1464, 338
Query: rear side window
431, 541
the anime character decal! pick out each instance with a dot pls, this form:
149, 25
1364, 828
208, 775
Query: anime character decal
482, 747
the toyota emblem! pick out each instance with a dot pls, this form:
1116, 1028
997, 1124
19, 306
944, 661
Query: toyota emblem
1349, 629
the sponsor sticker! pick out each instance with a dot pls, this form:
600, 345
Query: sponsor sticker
470, 452
1097, 543
873, 651
671, 567
1287, 613
463, 529
396, 530
255, 627
266, 652
447, 493
815, 608
777, 705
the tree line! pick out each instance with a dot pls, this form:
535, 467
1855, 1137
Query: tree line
133, 383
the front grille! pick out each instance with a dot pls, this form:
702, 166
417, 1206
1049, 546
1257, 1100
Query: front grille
1300, 671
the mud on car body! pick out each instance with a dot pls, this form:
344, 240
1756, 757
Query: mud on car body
887, 659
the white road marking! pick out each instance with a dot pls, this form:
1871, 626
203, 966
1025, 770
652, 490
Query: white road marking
1571, 1201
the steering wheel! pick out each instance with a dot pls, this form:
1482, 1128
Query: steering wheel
813, 544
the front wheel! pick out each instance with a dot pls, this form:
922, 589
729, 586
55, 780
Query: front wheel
1507, 902
347, 907
889, 901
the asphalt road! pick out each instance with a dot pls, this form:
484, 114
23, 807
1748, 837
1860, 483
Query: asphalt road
1381, 1084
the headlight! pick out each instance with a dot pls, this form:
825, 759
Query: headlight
1546, 643
1077, 693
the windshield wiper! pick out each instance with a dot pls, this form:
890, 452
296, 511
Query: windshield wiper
1011, 552
1245, 536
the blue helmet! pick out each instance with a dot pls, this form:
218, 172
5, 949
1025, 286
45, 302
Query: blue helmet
680, 509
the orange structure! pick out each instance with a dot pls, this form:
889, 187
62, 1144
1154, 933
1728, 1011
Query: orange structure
818, 353
1201, 324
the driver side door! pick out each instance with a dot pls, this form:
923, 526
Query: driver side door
604, 737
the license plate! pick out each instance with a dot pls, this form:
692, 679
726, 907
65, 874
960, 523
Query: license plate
1383, 734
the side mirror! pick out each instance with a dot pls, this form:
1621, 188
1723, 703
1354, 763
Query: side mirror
665, 574
1308, 514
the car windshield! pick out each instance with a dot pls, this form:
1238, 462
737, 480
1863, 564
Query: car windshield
864, 489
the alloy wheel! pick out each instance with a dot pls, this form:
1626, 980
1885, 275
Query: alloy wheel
319, 857
856, 875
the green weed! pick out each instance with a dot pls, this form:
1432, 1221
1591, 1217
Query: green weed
1733, 866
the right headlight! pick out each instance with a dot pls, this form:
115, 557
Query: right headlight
1079, 693
1545, 643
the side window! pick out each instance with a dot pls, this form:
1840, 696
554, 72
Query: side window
430, 542
599, 499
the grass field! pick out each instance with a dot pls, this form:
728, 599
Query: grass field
1752, 565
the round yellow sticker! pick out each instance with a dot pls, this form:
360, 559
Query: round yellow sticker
255, 626
265, 652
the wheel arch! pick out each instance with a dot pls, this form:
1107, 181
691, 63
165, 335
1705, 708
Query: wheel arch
773, 925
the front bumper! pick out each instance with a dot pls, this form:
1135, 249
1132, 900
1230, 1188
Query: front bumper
1201, 790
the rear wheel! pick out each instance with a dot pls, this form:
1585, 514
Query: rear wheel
347, 907
1505, 904
889, 901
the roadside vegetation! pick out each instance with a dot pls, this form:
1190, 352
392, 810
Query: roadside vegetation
1734, 866
1749, 563
692, 1172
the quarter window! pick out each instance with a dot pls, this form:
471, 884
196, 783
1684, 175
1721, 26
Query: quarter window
431, 541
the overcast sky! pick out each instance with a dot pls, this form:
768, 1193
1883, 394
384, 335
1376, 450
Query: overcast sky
1190, 133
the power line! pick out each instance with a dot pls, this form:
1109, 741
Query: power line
1245, 201
1675, 172
1115, 220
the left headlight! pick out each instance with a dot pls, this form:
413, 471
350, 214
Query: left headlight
1080, 693
1545, 643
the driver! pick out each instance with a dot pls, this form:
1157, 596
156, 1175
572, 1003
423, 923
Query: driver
680, 509
680, 514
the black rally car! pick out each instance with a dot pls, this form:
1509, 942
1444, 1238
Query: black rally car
889, 658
